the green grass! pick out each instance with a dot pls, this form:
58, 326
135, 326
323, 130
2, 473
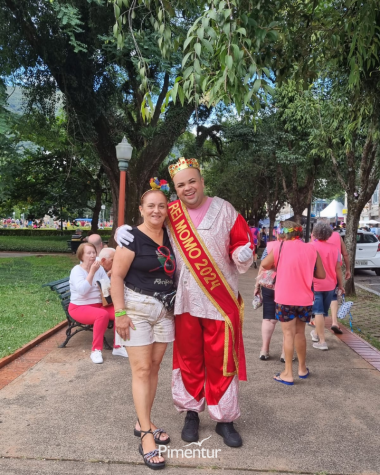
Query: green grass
366, 316
27, 309
34, 243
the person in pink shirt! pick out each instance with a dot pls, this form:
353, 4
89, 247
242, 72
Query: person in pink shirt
338, 242
296, 263
324, 290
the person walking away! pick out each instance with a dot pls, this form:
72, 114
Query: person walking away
296, 263
265, 283
324, 290
338, 242
256, 238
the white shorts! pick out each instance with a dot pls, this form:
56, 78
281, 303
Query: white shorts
152, 321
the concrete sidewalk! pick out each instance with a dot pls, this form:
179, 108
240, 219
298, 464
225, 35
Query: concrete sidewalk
69, 416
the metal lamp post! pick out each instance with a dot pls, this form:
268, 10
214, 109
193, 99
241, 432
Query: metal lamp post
123, 154
103, 209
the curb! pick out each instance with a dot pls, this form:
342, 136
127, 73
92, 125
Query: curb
367, 289
21, 351
361, 347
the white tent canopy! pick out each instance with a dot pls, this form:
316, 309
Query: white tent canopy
332, 210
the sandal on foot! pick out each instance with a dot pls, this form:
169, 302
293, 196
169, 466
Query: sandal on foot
305, 375
157, 434
336, 330
148, 456
279, 380
157, 438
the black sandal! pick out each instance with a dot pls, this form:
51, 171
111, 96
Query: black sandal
336, 329
148, 456
157, 439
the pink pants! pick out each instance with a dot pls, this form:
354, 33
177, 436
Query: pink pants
97, 315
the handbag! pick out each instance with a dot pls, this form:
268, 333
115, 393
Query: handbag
166, 298
106, 301
257, 302
345, 308
266, 278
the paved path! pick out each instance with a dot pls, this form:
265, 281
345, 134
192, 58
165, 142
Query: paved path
69, 416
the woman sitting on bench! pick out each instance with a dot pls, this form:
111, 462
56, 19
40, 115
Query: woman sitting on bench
86, 300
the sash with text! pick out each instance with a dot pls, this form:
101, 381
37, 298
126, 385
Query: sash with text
214, 285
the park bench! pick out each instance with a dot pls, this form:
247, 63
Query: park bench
62, 288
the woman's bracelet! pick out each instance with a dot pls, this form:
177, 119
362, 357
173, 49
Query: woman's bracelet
120, 313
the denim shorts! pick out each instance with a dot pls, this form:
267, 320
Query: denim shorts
322, 301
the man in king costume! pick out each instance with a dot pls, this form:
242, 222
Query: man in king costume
212, 245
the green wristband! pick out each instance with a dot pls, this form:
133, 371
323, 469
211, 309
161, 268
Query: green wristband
121, 313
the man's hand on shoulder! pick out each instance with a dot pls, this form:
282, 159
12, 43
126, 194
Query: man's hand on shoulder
123, 236
245, 253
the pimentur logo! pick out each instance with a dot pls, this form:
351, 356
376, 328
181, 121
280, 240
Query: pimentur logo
189, 453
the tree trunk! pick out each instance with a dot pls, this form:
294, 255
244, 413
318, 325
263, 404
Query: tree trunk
272, 218
353, 216
298, 210
96, 211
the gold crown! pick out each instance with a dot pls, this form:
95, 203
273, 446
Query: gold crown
182, 164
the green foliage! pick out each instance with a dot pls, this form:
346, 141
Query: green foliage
51, 173
70, 22
224, 55
27, 309
233, 47
34, 243
49, 232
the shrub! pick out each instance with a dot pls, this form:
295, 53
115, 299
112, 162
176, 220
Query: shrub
49, 232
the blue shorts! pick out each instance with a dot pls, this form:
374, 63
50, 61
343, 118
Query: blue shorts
335, 296
322, 301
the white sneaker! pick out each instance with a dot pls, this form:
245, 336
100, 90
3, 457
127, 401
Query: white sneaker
314, 336
96, 356
120, 352
320, 346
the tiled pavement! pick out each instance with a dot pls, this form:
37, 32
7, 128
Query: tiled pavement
357, 344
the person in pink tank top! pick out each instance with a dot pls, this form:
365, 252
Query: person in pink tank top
296, 263
324, 290
337, 240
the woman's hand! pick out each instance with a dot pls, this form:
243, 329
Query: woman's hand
94, 267
122, 326
341, 290
257, 291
